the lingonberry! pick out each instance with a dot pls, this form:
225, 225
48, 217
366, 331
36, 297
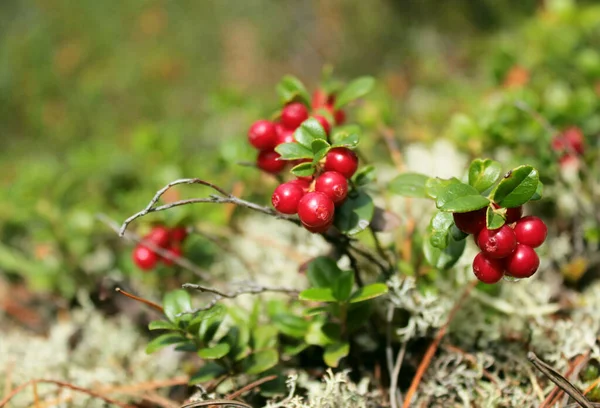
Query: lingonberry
262, 134
570, 140
512, 214
334, 185
487, 270
286, 197
178, 234
342, 160
293, 115
323, 123
318, 230
339, 116
159, 236
498, 243
531, 231
268, 160
316, 209
470, 222
303, 183
144, 258
522, 263
284, 135
175, 251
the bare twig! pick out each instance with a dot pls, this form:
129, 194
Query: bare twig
554, 396
223, 198
434, 345
559, 380
219, 402
179, 260
395, 394
142, 300
252, 288
63, 385
250, 386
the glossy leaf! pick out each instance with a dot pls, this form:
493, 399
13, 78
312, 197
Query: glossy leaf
342, 286
264, 336
164, 340
175, 302
335, 352
317, 295
161, 325
349, 141
207, 372
517, 187
364, 175
320, 148
460, 197
493, 219
215, 352
354, 215
538, 192
369, 292
309, 131
322, 272
215, 312
434, 186
293, 151
290, 89
444, 259
290, 325
260, 361
483, 174
354, 90
303, 170
409, 185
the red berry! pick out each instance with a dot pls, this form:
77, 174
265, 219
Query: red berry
175, 251
284, 135
144, 258
340, 117
286, 197
512, 214
574, 138
316, 209
323, 123
334, 185
302, 182
293, 115
319, 99
470, 222
262, 134
498, 243
268, 160
522, 263
487, 270
342, 160
318, 230
159, 236
178, 234
531, 231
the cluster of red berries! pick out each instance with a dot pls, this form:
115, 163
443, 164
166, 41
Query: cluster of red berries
265, 135
169, 239
508, 250
569, 144
314, 198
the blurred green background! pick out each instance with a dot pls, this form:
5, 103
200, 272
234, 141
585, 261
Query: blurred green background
103, 102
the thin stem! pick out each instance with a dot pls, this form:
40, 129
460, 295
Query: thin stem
142, 300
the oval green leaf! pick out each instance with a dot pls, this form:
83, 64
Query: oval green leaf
517, 187
207, 372
291, 89
342, 286
483, 174
213, 353
290, 325
334, 353
303, 170
317, 295
354, 90
161, 325
409, 185
369, 292
355, 214
176, 302
260, 361
309, 131
164, 340
293, 151
322, 272
493, 219
440, 229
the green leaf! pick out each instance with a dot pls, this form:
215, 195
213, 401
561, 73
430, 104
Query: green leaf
364, 175
409, 185
303, 170
260, 361
322, 272
354, 90
264, 336
517, 187
342, 286
369, 292
187, 346
164, 340
317, 295
440, 229
444, 259
161, 325
349, 141
291, 89
176, 302
355, 214
493, 220
208, 329
309, 131
290, 325
293, 151
436, 186
238, 338
207, 372
294, 349
334, 353
460, 197
320, 148
317, 310
483, 174
538, 192
340, 133
457, 234
215, 352
215, 312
